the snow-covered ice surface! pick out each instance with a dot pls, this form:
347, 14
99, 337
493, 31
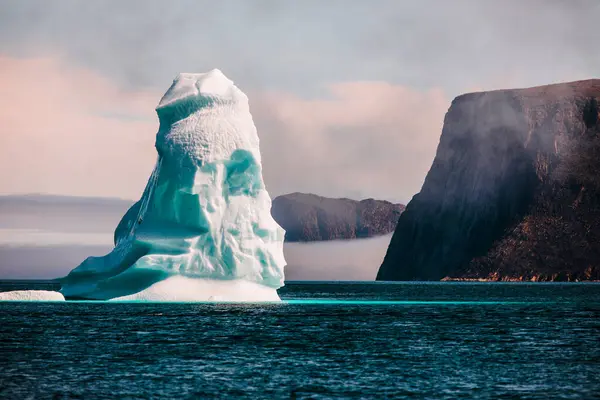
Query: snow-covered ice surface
31, 295
205, 212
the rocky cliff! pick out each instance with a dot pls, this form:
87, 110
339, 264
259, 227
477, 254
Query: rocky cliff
513, 192
308, 217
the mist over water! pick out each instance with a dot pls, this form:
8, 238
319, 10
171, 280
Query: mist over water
349, 260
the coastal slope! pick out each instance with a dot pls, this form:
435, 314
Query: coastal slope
513, 192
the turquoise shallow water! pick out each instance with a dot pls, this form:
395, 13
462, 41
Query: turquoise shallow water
334, 340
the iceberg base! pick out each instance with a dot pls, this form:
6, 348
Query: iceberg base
185, 289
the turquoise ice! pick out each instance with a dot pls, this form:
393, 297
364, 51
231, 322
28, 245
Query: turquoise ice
202, 229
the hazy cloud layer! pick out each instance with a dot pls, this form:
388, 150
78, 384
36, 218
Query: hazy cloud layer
348, 95
68, 130
298, 46
367, 139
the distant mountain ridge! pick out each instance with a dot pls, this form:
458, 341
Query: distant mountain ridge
309, 217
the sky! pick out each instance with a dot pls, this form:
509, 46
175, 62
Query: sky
348, 97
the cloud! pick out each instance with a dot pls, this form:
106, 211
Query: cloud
297, 46
368, 139
69, 130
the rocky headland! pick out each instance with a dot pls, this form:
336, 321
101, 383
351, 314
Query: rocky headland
513, 193
308, 217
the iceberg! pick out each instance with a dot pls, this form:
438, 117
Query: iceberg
31, 295
202, 230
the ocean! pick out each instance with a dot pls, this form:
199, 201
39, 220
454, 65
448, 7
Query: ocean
334, 340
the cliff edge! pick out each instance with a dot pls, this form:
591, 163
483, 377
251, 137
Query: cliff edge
513, 192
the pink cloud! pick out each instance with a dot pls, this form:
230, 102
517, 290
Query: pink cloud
369, 138
63, 131
68, 130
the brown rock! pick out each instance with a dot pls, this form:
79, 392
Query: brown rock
308, 217
513, 192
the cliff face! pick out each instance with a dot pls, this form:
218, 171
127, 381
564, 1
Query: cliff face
308, 217
513, 192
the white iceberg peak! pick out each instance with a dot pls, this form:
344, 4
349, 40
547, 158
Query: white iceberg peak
187, 86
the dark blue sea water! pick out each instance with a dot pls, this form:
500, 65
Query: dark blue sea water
334, 340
